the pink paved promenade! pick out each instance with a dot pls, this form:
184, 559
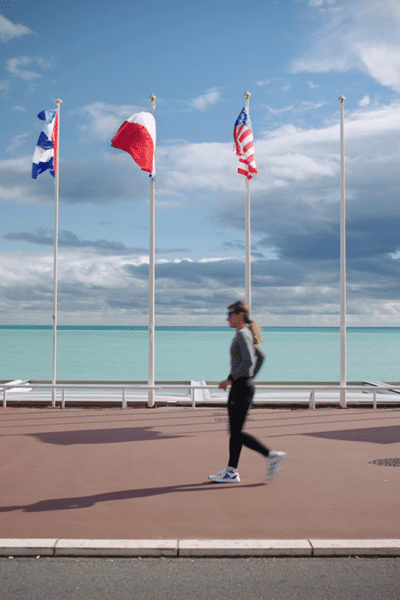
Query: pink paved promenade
142, 474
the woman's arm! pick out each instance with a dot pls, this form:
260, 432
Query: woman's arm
260, 357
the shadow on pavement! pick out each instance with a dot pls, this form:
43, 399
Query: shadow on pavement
375, 435
102, 436
87, 501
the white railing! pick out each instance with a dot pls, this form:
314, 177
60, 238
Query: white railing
310, 391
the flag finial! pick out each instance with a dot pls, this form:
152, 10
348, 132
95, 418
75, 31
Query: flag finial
342, 99
58, 101
247, 95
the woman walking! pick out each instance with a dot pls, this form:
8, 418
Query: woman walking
246, 361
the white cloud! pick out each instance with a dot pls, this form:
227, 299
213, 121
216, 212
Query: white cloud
104, 120
15, 180
318, 3
17, 142
363, 34
83, 181
5, 86
365, 101
9, 31
94, 289
310, 105
382, 62
301, 108
212, 96
192, 167
17, 66
277, 111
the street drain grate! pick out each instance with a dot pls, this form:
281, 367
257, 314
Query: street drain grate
386, 462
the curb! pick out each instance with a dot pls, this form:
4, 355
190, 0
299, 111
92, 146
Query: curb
198, 548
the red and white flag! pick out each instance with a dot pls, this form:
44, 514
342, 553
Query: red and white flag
137, 136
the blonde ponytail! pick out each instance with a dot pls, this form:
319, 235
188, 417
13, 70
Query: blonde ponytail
256, 331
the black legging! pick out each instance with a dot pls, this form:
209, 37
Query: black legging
239, 402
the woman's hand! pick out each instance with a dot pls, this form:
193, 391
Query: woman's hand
224, 384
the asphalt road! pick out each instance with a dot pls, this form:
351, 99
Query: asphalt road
205, 579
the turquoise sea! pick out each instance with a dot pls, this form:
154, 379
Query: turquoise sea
195, 353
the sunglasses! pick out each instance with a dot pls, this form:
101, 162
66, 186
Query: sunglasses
232, 313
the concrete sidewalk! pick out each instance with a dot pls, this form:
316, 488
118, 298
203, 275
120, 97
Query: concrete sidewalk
142, 474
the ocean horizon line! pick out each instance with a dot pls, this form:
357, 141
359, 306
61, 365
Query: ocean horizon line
282, 328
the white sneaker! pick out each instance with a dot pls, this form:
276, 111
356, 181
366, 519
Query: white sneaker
228, 475
274, 463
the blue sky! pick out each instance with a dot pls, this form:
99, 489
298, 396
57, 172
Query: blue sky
199, 57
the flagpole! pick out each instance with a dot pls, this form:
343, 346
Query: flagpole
343, 327
150, 402
55, 262
248, 228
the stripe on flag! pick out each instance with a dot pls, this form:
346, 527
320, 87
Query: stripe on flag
137, 136
244, 144
45, 155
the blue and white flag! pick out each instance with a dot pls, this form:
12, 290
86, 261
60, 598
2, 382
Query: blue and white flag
45, 155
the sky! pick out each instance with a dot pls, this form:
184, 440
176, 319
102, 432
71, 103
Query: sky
199, 57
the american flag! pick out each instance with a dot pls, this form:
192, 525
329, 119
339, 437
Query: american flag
244, 145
